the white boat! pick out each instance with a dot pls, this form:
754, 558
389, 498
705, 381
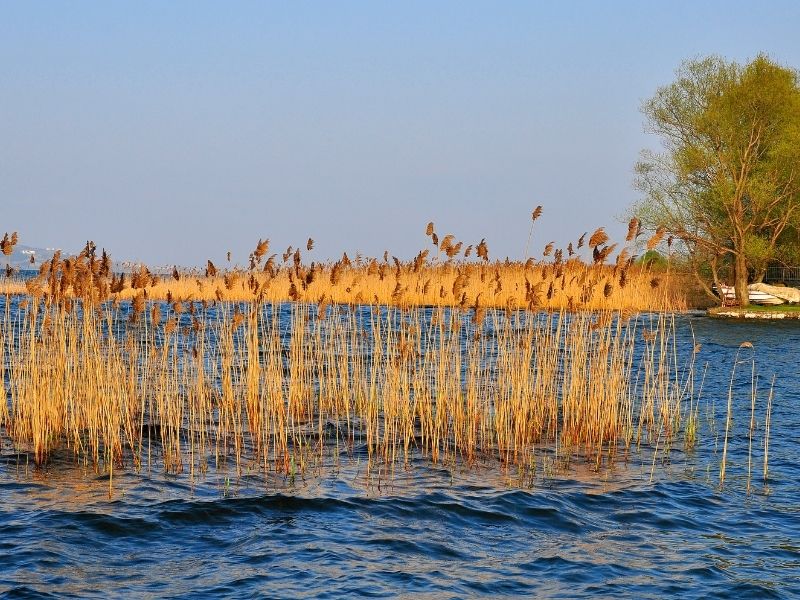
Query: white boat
728, 294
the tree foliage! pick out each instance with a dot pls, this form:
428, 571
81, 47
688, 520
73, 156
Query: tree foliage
726, 182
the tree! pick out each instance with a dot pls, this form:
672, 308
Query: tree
727, 183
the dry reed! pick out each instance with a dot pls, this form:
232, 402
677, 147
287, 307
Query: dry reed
452, 360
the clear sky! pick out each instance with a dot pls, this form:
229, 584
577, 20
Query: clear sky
171, 132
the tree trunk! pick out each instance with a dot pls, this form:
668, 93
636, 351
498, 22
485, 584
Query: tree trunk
740, 280
715, 278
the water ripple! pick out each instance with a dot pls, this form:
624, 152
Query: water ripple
431, 531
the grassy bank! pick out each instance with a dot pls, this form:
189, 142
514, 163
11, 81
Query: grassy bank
755, 311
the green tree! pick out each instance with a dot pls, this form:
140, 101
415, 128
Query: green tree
727, 183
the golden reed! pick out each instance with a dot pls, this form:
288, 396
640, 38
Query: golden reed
438, 357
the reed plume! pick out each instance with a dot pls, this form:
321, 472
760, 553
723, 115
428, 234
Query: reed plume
655, 240
633, 227
598, 238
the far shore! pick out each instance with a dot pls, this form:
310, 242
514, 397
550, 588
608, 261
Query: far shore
781, 311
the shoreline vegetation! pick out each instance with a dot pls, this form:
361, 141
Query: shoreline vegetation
281, 366
454, 274
572, 286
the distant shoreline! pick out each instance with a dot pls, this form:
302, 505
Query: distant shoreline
791, 312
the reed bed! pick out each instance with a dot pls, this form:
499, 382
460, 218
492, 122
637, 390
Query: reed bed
473, 372
274, 385
571, 286
448, 273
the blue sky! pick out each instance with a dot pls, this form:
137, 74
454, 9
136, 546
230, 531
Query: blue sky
171, 132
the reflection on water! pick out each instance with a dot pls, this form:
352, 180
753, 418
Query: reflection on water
642, 528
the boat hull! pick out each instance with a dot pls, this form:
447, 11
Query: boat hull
728, 294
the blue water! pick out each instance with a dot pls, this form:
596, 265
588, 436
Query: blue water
641, 528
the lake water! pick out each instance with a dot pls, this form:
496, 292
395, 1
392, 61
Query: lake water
640, 529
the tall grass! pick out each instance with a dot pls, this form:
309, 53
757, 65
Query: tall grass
264, 384
451, 361
452, 275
